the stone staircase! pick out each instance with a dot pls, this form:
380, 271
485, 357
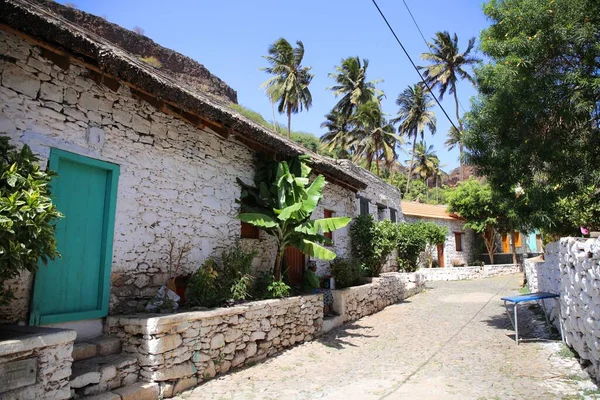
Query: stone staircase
101, 372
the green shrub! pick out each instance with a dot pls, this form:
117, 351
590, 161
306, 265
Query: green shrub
372, 242
204, 288
347, 272
26, 215
237, 272
413, 239
278, 290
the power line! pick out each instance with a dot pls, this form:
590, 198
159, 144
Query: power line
413, 64
425, 40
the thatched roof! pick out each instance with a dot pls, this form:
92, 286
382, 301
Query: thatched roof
37, 20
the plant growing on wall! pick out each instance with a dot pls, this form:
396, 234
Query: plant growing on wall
282, 202
413, 239
372, 242
26, 215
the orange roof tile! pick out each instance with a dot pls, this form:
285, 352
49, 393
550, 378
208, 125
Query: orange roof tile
413, 208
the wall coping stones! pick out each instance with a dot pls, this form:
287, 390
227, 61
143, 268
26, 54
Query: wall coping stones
153, 322
17, 339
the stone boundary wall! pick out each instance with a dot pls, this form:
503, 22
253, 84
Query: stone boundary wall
52, 348
358, 301
464, 273
571, 267
181, 350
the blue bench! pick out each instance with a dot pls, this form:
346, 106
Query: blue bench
524, 298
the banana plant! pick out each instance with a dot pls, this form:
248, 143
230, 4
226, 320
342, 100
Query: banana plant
281, 203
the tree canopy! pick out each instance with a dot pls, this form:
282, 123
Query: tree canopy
534, 128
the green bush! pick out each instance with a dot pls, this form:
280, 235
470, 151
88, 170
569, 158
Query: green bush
237, 272
413, 239
26, 215
372, 242
204, 288
347, 272
278, 290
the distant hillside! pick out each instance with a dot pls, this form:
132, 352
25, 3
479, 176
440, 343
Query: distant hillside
454, 176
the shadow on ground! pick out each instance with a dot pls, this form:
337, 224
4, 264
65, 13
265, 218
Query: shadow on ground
336, 337
532, 324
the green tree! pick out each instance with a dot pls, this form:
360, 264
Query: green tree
446, 66
374, 136
289, 85
427, 163
26, 215
281, 204
534, 127
337, 138
414, 116
474, 202
352, 85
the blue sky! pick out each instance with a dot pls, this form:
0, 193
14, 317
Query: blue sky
230, 37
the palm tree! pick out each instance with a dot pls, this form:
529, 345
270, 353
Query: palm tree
414, 116
447, 66
456, 139
337, 138
352, 86
289, 85
375, 137
427, 162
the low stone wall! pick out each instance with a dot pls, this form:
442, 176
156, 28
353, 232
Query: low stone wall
358, 301
180, 350
464, 273
571, 267
51, 348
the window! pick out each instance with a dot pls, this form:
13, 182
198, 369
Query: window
328, 214
517, 239
381, 212
249, 231
364, 206
505, 244
458, 240
392, 215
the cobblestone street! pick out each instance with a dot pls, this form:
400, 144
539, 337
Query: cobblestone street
452, 341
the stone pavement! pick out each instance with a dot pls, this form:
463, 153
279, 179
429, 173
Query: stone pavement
452, 341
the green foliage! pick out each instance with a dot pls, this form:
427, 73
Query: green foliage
278, 290
204, 289
26, 215
289, 85
155, 62
282, 202
535, 124
237, 271
252, 115
346, 272
412, 240
372, 242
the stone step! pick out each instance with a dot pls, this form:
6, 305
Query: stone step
102, 346
135, 391
101, 374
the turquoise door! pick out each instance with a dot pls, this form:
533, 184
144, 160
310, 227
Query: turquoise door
76, 286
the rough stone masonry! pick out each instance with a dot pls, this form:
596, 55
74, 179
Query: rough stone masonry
181, 350
572, 269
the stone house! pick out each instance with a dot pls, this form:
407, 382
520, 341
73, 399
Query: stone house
458, 246
147, 157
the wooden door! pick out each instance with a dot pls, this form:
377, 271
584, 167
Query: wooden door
440, 255
76, 285
294, 264
505, 244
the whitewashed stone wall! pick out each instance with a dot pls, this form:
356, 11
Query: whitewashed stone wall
571, 267
358, 301
341, 202
52, 349
175, 180
450, 254
464, 273
181, 350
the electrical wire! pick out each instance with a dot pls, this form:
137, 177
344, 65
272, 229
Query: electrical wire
413, 64
425, 40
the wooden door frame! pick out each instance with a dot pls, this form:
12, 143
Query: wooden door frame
108, 228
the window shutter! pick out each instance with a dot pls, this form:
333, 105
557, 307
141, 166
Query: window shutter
458, 241
249, 231
392, 215
328, 214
